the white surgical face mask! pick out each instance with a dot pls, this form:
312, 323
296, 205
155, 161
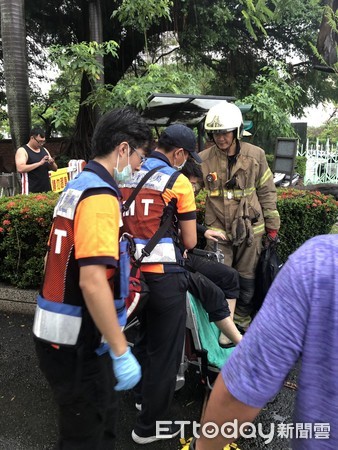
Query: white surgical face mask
125, 174
180, 167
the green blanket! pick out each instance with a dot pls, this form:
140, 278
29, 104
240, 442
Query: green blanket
208, 334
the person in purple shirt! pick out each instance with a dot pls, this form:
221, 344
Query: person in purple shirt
299, 319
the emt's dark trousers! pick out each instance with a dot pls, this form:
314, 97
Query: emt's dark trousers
83, 388
158, 348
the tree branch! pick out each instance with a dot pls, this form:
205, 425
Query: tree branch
166, 54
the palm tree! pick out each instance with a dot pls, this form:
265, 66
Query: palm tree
13, 33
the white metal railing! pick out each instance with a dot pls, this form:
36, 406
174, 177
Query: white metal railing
321, 163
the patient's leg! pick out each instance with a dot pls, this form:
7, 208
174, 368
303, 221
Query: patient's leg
229, 332
224, 338
213, 301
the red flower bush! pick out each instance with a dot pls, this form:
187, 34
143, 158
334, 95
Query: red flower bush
26, 221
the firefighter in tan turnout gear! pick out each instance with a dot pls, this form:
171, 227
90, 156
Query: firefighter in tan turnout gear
241, 199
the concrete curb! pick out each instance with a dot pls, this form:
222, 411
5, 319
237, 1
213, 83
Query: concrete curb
13, 299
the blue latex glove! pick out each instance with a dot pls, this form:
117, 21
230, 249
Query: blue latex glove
127, 370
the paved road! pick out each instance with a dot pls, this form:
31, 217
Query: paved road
27, 410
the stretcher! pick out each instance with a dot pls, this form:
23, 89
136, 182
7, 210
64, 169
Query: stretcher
201, 347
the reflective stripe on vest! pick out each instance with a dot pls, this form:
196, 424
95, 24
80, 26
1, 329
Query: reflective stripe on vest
231, 193
57, 322
164, 251
157, 182
67, 203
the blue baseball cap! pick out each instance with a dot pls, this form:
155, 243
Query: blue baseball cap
180, 135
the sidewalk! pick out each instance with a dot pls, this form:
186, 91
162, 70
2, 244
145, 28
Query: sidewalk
18, 300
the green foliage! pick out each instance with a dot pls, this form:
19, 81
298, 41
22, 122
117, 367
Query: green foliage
322, 133
62, 114
137, 14
141, 16
273, 98
300, 166
237, 39
270, 159
62, 104
256, 14
135, 91
24, 227
83, 57
304, 214
332, 17
57, 111
4, 122
200, 205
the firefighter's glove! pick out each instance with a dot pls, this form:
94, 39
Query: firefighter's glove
127, 370
271, 237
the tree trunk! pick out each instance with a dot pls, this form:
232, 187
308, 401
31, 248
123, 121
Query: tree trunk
327, 38
96, 34
13, 33
95, 26
78, 146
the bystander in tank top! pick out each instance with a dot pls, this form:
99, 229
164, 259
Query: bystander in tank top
36, 180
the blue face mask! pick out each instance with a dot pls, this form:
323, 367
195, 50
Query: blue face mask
125, 174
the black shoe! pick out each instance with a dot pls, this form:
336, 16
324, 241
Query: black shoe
168, 432
240, 329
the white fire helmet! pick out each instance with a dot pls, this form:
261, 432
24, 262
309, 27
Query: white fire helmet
224, 117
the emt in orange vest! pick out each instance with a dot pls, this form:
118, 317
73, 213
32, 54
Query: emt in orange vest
159, 345
76, 306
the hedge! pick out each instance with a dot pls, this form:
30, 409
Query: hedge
304, 214
25, 222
